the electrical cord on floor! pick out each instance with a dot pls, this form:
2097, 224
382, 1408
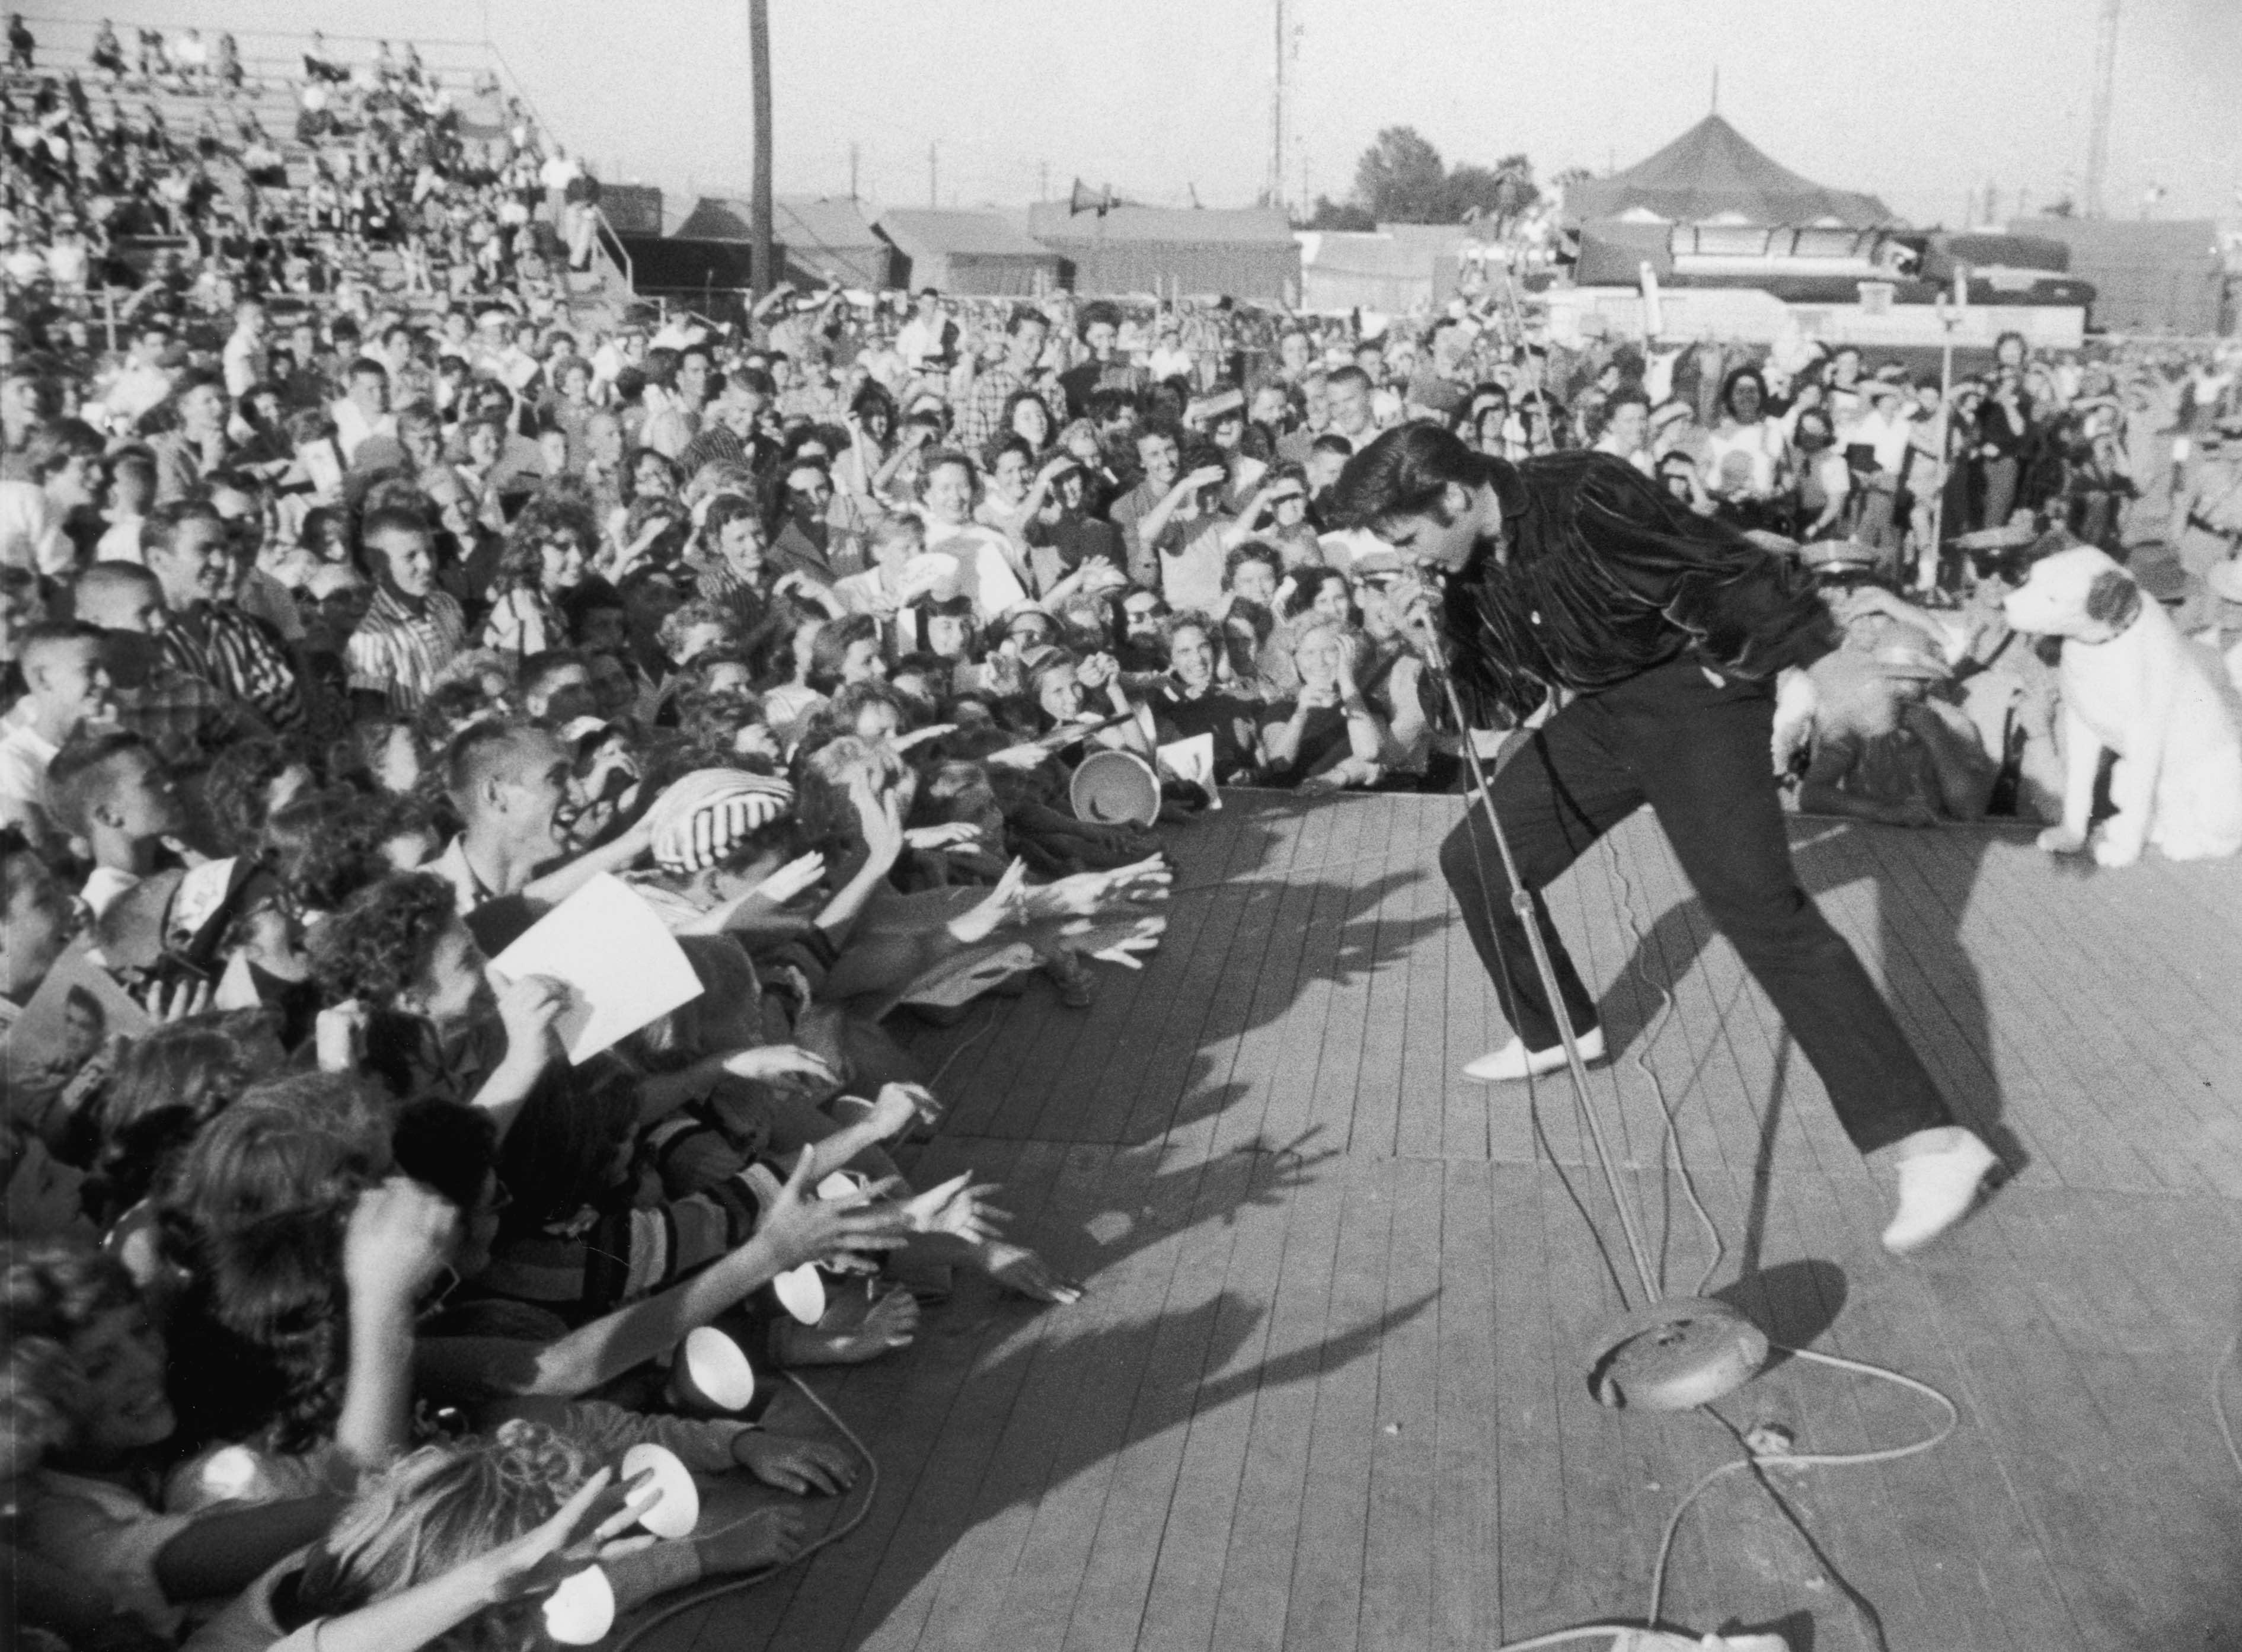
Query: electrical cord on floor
703, 1594
2219, 1371
1763, 1462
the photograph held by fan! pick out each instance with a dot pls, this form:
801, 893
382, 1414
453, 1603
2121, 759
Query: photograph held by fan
1656, 639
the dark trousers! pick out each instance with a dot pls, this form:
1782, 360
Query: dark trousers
1698, 753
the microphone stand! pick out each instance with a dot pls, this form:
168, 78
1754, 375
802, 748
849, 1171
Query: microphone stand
1667, 1354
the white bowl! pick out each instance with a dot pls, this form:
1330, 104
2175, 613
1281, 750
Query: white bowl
802, 1293
676, 1511
583, 1610
712, 1372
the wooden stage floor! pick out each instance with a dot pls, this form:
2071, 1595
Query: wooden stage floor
1325, 1391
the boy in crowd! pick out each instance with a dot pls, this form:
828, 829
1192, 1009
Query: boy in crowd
189, 548
110, 790
66, 687
411, 630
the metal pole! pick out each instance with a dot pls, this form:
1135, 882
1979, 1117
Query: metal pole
1277, 120
765, 277
1521, 902
1935, 552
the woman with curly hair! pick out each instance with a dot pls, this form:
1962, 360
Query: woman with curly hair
168, 1086
248, 783
88, 1435
117, 1507
547, 551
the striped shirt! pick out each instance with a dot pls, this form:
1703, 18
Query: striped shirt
241, 656
398, 652
582, 1267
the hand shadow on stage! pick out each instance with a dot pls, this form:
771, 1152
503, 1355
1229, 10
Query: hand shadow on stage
995, 1422
1922, 882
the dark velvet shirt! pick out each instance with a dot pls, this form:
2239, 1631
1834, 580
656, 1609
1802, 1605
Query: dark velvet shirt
1605, 576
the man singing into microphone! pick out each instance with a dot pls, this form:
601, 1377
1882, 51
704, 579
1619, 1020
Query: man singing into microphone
1659, 635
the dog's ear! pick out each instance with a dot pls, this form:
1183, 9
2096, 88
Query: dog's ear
2114, 599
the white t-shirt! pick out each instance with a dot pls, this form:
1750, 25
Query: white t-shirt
1756, 449
120, 541
25, 755
104, 889
29, 537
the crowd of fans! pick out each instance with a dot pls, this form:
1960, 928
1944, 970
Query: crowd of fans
344, 640
383, 172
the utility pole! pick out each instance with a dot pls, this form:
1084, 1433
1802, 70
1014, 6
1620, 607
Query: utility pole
1043, 180
933, 196
2098, 128
765, 277
852, 170
1277, 120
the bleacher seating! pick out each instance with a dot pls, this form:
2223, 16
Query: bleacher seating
472, 77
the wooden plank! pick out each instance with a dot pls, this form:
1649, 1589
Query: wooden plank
1183, 1597
1421, 1125
2068, 1128
1270, 972
1201, 1327
1464, 1600
1300, 1035
1042, 1484
1532, 1559
1376, 1110
1175, 1089
1333, 1114
1399, 1556
1257, 1562
1325, 1605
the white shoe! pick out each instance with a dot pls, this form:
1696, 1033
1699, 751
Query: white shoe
1512, 1062
1940, 1171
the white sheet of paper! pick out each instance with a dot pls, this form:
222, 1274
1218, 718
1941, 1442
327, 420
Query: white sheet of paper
620, 963
1193, 760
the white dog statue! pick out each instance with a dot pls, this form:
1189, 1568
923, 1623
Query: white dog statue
2133, 685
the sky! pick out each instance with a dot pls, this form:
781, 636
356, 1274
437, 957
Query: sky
1922, 102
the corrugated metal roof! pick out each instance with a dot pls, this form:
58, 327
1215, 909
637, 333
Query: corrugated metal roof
1049, 221
920, 233
796, 221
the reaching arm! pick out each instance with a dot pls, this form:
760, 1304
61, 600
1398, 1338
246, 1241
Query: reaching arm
398, 1235
559, 884
223, 1552
796, 1229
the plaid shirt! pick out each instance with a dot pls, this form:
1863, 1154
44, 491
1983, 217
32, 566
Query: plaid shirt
185, 719
983, 416
716, 442
241, 656
397, 653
